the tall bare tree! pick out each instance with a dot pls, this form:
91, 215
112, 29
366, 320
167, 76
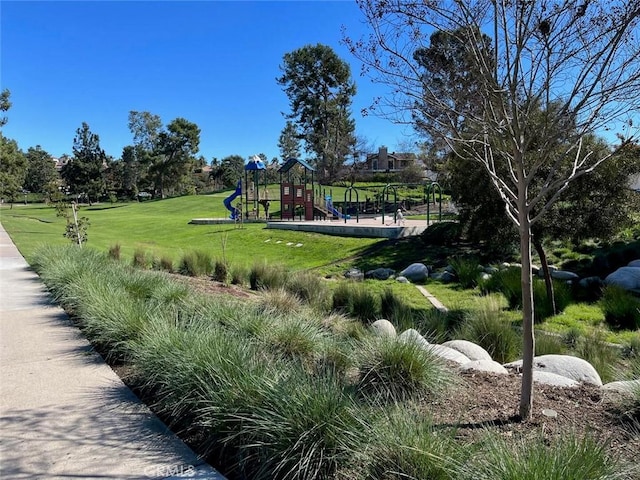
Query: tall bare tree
582, 57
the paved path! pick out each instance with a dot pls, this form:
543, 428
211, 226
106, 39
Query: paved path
64, 414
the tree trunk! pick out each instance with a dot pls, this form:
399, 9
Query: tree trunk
544, 264
528, 340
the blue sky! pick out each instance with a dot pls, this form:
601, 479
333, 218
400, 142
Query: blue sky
211, 62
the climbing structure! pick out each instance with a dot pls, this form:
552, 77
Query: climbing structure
296, 190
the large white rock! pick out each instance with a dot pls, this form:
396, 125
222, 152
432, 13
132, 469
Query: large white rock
623, 386
564, 275
448, 353
565, 365
411, 335
625, 277
548, 378
469, 349
383, 328
416, 272
484, 366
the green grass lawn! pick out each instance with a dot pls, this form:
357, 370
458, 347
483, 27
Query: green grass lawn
162, 228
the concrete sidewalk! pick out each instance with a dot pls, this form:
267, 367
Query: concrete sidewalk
63, 412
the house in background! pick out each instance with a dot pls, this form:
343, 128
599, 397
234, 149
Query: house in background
385, 162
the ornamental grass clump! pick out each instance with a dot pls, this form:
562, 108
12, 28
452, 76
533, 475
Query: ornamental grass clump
298, 337
263, 276
467, 270
569, 457
196, 264
392, 370
357, 301
303, 428
310, 288
621, 308
405, 445
488, 327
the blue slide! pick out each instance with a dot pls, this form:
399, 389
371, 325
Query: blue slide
235, 213
333, 209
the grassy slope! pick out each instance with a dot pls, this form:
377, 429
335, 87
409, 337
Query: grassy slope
163, 228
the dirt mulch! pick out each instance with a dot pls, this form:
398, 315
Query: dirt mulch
484, 401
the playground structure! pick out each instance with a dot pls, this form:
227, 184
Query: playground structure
306, 206
253, 197
297, 190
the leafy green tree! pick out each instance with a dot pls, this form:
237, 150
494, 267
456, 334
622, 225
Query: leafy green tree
42, 176
173, 158
84, 174
289, 142
13, 169
320, 90
5, 105
232, 168
579, 57
145, 128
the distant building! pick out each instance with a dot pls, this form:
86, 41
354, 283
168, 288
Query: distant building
385, 162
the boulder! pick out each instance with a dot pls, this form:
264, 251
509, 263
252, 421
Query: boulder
484, 366
623, 386
402, 279
564, 275
625, 277
468, 349
383, 328
484, 276
590, 282
448, 353
565, 365
553, 379
379, 273
411, 335
491, 270
354, 274
445, 277
416, 272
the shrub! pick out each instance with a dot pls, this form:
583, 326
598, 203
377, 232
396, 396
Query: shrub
488, 327
114, 252
621, 308
196, 264
467, 271
393, 370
